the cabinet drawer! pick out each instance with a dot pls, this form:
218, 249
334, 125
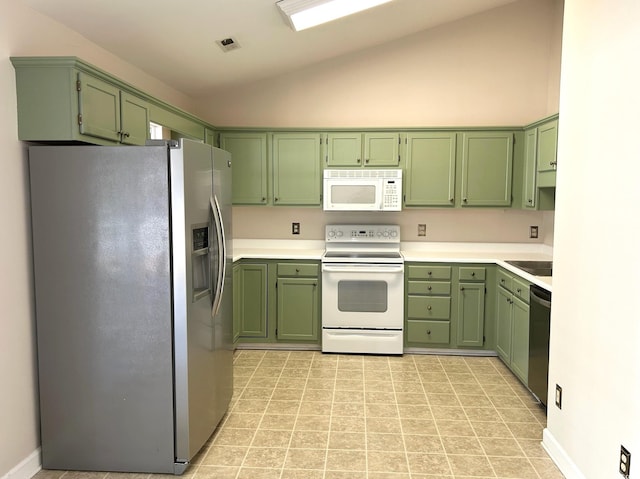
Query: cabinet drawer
429, 288
427, 307
521, 289
505, 280
436, 332
297, 269
430, 272
472, 273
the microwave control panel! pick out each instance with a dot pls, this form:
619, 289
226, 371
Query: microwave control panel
392, 195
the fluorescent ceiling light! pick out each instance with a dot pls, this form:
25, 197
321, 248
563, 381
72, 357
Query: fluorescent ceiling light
302, 14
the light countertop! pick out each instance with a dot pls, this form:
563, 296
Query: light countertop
496, 253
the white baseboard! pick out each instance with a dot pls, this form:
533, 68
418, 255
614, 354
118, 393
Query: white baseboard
560, 456
27, 468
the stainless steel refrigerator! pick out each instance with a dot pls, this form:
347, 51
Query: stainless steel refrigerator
133, 292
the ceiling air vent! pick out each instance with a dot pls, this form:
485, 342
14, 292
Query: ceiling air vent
228, 44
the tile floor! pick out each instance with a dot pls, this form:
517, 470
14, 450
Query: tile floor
306, 415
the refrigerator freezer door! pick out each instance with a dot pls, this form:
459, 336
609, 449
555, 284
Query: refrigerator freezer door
199, 375
101, 244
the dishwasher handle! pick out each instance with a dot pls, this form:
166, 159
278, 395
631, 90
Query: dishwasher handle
540, 296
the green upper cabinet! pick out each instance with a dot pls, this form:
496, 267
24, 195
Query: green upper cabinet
430, 169
296, 169
66, 99
344, 149
250, 166
530, 168
374, 149
487, 162
134, 119
548, 146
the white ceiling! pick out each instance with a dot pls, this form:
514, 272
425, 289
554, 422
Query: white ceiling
176, 41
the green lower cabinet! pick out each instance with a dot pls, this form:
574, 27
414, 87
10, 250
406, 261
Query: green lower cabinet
250, 308
471, 314
446, 307
520, 340
297, 309
277, 301
512, 323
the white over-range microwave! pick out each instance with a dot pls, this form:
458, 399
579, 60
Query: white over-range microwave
362, 190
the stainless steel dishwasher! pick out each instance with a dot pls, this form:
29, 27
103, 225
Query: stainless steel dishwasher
539, 319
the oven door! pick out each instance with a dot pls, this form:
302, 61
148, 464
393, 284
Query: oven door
363, 296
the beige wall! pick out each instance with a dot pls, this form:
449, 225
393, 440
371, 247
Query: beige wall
479, 225
500, 67
595, 323
24, 32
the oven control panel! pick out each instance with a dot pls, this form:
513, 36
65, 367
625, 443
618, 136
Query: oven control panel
363, 233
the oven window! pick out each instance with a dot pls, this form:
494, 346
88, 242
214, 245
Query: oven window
353, 194
362, 296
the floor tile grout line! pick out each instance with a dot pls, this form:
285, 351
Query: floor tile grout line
263, 414
510, 431
296, 419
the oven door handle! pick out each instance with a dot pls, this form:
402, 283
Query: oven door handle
363, 268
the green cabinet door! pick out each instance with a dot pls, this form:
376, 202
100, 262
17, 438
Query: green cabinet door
344, 149
134, 119
520, 339
99, 108
547, 146
381, 149
252, 303
431, 169
237, 298
296, 169
487, 162
470, 319
250, 167
530, 168
297, 309
503, 324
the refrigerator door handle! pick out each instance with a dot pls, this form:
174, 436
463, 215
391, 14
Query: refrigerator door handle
220, 238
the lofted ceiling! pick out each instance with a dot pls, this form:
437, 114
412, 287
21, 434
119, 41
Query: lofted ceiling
176, 41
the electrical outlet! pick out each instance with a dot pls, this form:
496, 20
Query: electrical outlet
295, 228
558, 396
533, 231
625, 461
422, 229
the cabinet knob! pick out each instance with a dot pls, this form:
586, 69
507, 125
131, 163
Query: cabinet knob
529, 201
450, 200
429, 332
429, 308
502, 281
464, 199
473, 273
275, 199
358, 160
429, 288
461, 289
367, 161
264, 199
518, 290
429, 273
126, 134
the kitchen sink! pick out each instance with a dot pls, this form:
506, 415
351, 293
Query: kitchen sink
536, 268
